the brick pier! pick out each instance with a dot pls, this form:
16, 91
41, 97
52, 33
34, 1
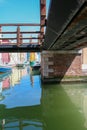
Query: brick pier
60, 64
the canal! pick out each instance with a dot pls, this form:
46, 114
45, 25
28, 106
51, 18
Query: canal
27, 104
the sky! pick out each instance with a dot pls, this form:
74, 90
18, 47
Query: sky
20, 11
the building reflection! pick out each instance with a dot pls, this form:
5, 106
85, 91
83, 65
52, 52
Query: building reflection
31, 77
1, 94
16, 76
13, 79
32, 80
21, 117
4, 84
10, 81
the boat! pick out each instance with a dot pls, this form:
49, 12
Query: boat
32, 59
36, 66
36, 69
5, 69
20, 65
4, 73
35, 72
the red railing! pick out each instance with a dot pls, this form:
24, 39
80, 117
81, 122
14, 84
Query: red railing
18, 37
21, 35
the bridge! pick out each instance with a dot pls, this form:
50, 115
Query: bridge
27, 114
59, 44
66, 25
19, 40
66, 34
66, 29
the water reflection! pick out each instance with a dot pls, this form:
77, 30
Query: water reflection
21, 118
17, 74
18, 84
20, 109
21, 125
31, 77
41, 107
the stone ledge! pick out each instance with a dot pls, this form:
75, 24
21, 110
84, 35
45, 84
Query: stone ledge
76, 79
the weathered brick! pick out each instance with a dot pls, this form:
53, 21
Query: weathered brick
64, 64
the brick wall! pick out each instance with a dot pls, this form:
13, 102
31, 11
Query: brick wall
59, 64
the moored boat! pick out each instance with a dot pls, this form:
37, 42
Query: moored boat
4, 73
5, 69
36, 66
20, 65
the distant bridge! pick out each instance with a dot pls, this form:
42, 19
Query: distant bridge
18, 40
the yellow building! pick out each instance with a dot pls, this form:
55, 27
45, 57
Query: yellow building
32, 58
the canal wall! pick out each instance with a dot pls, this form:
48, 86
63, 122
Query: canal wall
56, 66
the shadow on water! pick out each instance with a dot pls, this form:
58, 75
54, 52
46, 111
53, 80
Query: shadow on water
59, 112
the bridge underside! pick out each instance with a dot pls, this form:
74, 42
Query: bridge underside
22, 48
66, 25
66, 33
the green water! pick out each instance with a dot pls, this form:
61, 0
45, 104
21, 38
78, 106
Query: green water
29, 105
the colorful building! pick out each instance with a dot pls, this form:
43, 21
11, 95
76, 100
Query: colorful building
32, 58
5, 58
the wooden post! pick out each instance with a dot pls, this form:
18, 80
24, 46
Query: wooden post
21, 40
39, 39
42, 18
18, 36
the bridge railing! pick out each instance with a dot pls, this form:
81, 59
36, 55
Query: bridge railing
21, 35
